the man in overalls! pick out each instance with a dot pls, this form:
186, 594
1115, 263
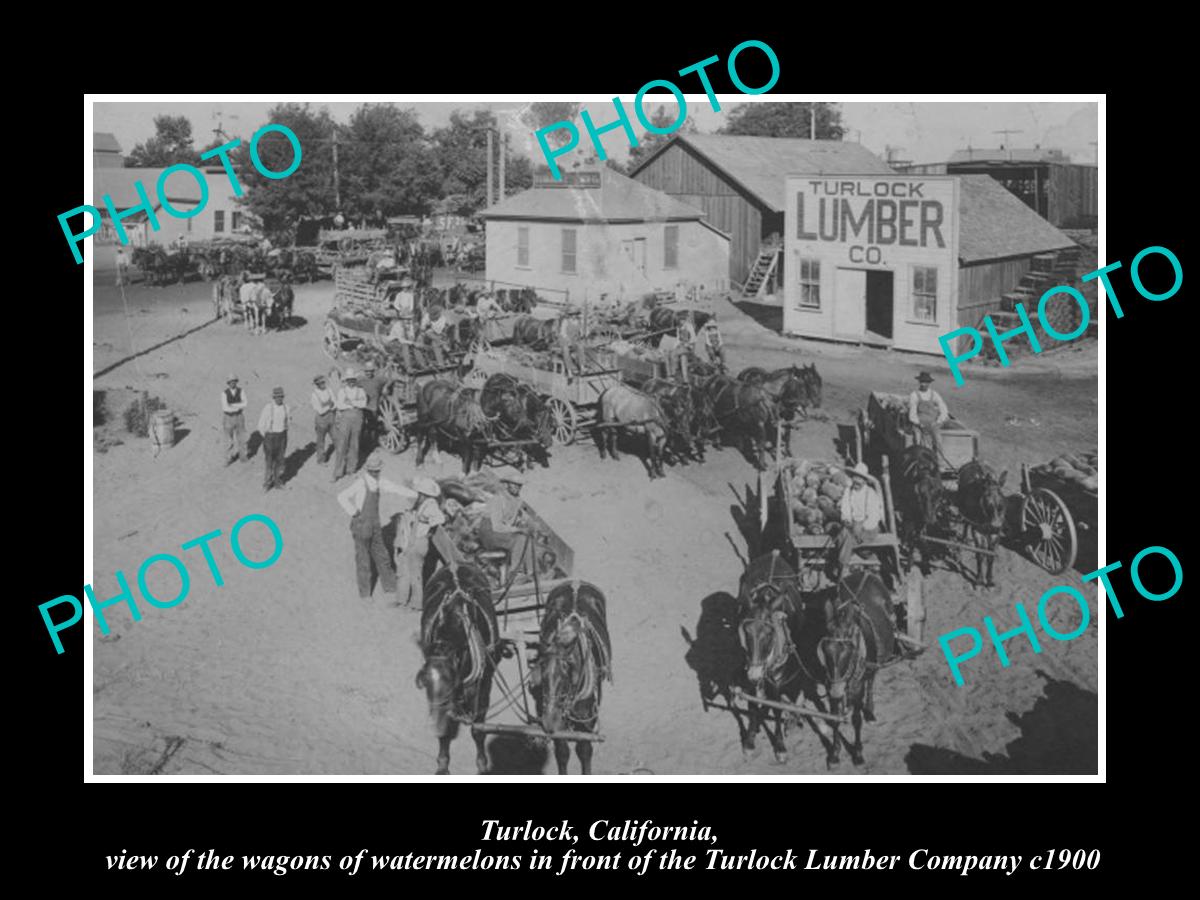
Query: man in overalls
233, 401
412, 540
926, 412
361, 502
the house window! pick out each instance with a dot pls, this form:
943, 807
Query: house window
568, 250
523, 246
237, 220
671, 247
810, 283
218, 220
925, 293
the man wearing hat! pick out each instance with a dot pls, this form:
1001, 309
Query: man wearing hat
361, 502
233, 401
434, 327
713, 344
349, 404
927, 411
322, 403
372, 385
499, 528
412, 540
272, 425
862, 515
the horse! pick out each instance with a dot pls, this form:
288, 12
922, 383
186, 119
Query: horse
574, 659
285, 300
664, 320
517, 413
859, 637
743, 408
794, 389
770, 616
621, 407
539, 334
460, 644
919, 496
675, 398
258, 309
980, 499
453, 411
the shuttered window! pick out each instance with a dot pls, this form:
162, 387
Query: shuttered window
671, 247
523, 246
568, 250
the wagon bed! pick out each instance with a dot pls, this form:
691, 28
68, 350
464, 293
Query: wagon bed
1059, 519
886, 429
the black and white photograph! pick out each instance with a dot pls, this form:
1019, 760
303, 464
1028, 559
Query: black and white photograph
474, 438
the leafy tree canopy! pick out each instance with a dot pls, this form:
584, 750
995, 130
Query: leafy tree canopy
171, 144
785, 120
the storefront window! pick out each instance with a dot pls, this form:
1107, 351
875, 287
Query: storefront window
925, 293
810, 283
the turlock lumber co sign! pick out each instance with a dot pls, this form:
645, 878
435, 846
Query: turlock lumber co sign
872, 257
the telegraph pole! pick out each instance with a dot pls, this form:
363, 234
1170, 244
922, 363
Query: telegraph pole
503, 152
1006, 132
337, 192
488, 203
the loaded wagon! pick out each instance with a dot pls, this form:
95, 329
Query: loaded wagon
572, 395
365, 309
1059, 512
884, 429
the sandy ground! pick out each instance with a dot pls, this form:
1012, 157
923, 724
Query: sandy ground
285, 670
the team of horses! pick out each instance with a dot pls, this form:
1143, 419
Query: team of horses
270, 303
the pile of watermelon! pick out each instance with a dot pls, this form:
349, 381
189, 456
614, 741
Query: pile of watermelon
816, 489
1080, 468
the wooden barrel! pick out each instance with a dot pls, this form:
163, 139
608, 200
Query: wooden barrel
162, 428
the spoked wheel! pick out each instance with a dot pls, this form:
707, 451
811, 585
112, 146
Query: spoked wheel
331, 341
605, 334
566, 423
394, 433
1050, 531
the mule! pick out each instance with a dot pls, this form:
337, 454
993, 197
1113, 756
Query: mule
980, 500
919, 498
623, 408
745, 410
452, 411
574, 659
859, 637
460, 644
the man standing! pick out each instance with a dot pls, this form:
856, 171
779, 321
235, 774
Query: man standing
122, 266
233, 401
412, 540
361, 502
713, 344
272, 425
322, 404
372, 386
862, 515
499, 528
926, 412
349, 404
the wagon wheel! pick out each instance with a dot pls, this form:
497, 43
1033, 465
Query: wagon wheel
566, 423
331, 341
395, 434
605, 333
475, 379
1050, 531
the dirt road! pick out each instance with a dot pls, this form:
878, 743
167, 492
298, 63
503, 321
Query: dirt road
285, 670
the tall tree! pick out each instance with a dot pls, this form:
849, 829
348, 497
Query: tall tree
785, 120
387, 167
541, 115
461, 149
171, 144
308, 192
650, 141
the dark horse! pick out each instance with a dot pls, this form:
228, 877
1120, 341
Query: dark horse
743, 409
664, 319
574, 659
678, 405
540, 334
858, 638
452, 411
796, 389
460, 642
981, 501
623, 408
517, 413
919, 498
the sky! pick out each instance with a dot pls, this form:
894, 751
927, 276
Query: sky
922, 132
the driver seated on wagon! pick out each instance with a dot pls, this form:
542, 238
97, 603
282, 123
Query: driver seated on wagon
862, 517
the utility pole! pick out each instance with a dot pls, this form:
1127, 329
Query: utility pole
812, 121
1006, 132
488, 202
503, 152
337, 190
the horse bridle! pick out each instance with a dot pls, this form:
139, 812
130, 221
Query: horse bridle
589, 682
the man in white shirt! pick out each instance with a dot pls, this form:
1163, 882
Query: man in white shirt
361, 502
412, 539
862, 516
272, 425
435, 324
349, 404
927, 412
122, 266
487, 306
233, 401
322, 404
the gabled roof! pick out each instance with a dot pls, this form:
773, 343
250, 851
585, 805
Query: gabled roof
759, 164
618, 199
1003, 155
103, 142
994, 224
181, 187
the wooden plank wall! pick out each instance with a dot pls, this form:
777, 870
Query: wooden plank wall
1072, 193
981, 286
682, 175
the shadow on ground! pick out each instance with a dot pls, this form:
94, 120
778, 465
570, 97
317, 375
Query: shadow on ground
1058, 737
767, 316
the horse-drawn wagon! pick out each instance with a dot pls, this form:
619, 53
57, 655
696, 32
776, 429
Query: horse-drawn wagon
1059, 513
571, 392
884, 428
514, 619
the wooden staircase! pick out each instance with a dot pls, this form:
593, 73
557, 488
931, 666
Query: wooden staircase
761, 272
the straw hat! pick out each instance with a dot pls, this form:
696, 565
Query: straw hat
374, 461
427, 486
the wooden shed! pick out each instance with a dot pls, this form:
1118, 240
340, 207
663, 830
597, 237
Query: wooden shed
739, 183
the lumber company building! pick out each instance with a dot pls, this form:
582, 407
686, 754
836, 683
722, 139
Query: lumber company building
897, 260
597, 235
